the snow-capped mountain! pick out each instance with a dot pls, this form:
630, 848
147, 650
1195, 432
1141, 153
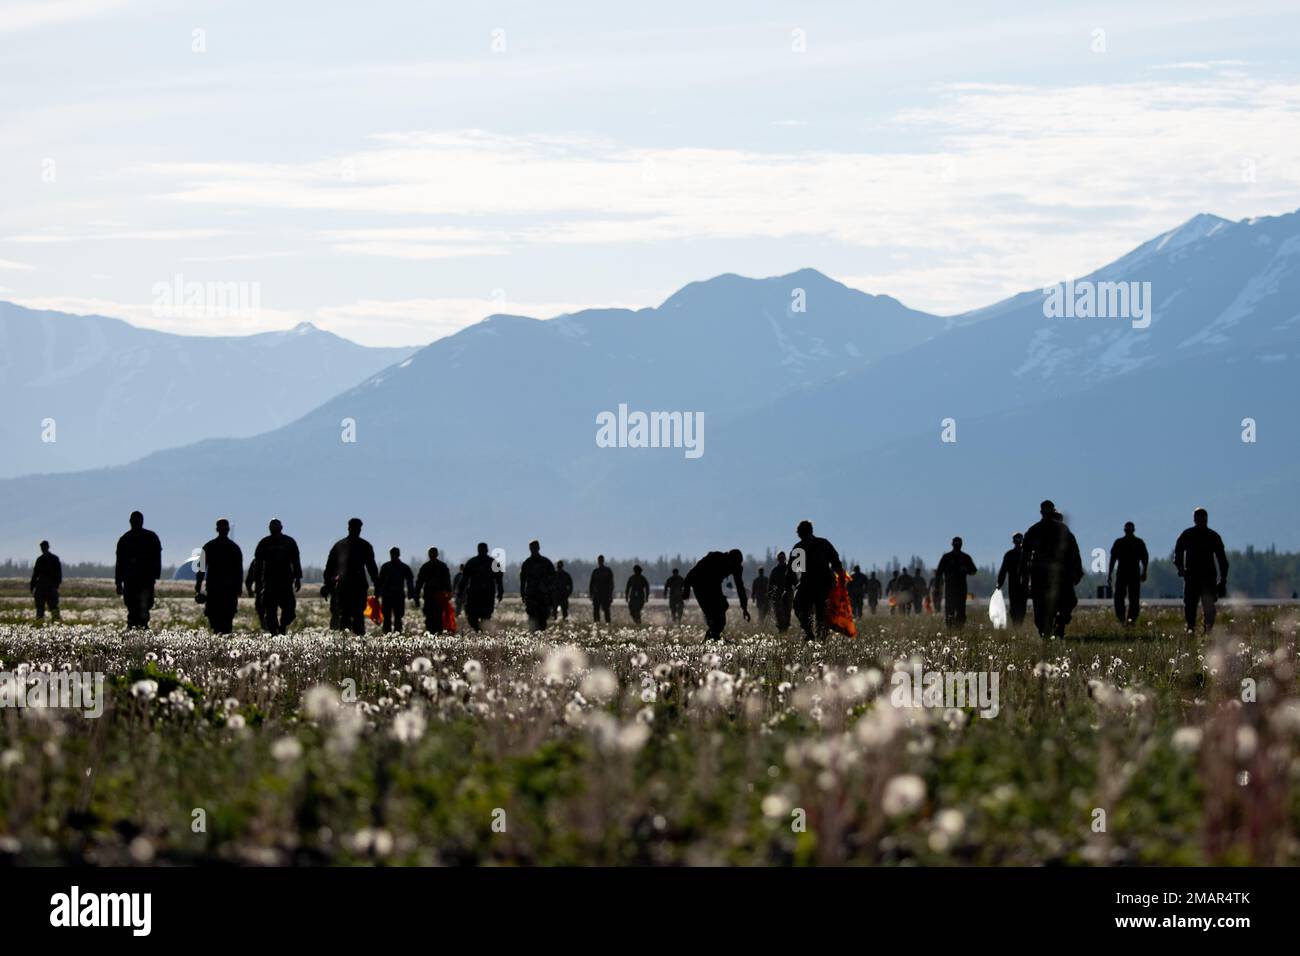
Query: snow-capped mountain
838, 413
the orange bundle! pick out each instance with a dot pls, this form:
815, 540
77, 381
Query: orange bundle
374, 610
448, 611
839, 609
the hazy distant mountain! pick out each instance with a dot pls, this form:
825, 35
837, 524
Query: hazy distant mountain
835, 413
116, 392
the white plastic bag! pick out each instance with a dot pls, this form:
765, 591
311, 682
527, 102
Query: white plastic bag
998, 610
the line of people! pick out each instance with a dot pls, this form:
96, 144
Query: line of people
1043, 566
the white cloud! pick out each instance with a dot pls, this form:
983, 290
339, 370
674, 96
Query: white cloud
139, 235
145, 316
420, 321
16, 15
369, 321
1029, 183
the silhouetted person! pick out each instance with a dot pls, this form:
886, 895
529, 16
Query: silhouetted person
857, 587
601, 589
919, 590
814, 562
47, 578
1203, 565
396, 584
350, 561
138, 566
1052, 565
482, 585
954, 567
537, 587
780, 592
458, 591
636, 592
892, 590
903, 586
873, 592
673, 594
563, 591
706, 578
936, 594
758, 594
1015, 589
1129, 555
433, 586
276, 576
222, 569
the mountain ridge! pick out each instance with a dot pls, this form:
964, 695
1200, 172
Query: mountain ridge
487, 434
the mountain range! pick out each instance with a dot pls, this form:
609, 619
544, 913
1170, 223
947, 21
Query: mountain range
83, 391
892, 429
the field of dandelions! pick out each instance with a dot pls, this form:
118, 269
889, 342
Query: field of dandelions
644, 745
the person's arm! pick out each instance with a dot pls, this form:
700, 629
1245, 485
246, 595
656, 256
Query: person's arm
1076, 560
970, 566
201, 575
740, 591
1180, 550
1114, 560
331, 572
296, 560
501, 585
1144, 559
836, 565
1222, 557
156, 546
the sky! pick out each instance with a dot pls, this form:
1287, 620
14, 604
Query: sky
395, 171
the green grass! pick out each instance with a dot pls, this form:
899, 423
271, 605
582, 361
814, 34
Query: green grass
539, 756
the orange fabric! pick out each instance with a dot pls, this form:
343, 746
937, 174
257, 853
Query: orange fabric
374, 610
448, 612
839, 609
